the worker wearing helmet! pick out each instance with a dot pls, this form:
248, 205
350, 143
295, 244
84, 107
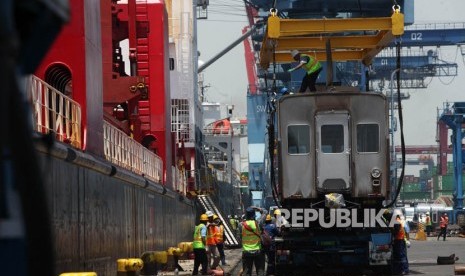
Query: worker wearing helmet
429, 224
312, 69
220, 239
444, 221
271, 230
233, 221
279, 220
399, 248
212, 251
200, 254
252, 253
284, 91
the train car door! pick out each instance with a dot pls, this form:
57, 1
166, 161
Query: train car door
333, 151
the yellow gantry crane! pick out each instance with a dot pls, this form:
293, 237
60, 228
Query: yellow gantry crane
329, 39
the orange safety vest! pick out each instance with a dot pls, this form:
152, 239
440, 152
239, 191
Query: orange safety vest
444, 222
219, 234
400, 235
212, 231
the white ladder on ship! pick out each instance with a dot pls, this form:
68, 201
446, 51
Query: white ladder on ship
208, 205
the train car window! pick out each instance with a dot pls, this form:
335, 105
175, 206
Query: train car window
298, 139
367, 138
332, 138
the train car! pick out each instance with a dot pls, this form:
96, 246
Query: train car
333, 160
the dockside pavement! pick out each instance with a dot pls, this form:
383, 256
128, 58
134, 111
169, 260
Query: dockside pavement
233, 258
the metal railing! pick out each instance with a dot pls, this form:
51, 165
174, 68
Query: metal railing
53, 112
125, 152
208, 205
436, 26
180, 120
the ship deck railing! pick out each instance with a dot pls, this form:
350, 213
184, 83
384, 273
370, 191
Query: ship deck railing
122, 150
54, 112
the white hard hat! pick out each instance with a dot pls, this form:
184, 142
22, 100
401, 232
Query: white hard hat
294, 53
209, 213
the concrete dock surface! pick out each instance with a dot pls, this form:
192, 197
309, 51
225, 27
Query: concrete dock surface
422, 257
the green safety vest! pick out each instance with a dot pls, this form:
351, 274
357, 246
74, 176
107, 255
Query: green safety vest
233, 223
197, 243
309, 67
251, 240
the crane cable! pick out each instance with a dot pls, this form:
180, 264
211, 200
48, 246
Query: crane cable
401, 122
271, 110
271, 140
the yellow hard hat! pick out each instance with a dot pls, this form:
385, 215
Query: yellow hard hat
268, 218
215, 217
277, 212
203, 217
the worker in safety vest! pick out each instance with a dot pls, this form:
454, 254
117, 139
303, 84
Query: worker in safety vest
429, 224
212, 251
252, 253
233, 222
312, 69
443, 225
399, 249
200, 254
220, 239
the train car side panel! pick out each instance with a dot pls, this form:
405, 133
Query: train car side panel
296, 156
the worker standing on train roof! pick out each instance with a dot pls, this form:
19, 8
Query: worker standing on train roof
312, 69
200, 240
212, 251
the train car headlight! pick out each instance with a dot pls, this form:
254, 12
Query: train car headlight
375, 173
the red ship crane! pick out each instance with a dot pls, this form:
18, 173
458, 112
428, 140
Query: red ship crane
86, 61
